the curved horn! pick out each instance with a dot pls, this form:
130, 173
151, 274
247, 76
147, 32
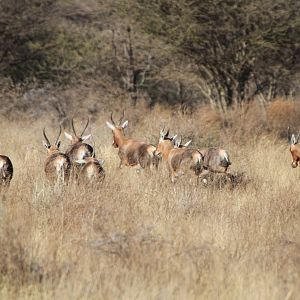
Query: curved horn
44, 134
56, 142
123, 115
111, 118
73, 127
87, 124
297, 138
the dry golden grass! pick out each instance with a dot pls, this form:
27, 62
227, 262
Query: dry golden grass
137, 236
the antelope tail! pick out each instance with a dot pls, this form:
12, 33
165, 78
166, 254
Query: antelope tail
198, 165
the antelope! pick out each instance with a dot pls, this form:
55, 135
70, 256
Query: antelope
57, 165
179, 160
78, 150
6, 170
91, 169
294, 148
215, 160
132, 153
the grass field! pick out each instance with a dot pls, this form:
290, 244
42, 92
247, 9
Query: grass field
137, 236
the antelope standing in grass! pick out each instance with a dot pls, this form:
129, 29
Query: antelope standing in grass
131, 152
57, 164
179, 160
78, 150
294, 148
215, 160
91, 169
6, 170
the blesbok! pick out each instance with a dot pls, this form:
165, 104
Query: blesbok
214, 159
91, 169
131, 151
57, 164
6, 170
78, 150
294, 148
179, 160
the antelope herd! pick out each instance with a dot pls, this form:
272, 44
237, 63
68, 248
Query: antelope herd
79, 162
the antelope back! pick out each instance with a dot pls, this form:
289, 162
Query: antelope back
92, 169
215, 158
79, 151
57, 165
184, 159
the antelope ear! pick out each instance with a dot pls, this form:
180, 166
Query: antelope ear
101, 162
68, 136
80, 161
161, 135
187, 143
125, 124
86, 137
293, 140
46, 145
109, 125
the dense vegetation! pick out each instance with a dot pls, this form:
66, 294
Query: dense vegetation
219, 52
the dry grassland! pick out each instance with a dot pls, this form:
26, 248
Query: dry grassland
137, 236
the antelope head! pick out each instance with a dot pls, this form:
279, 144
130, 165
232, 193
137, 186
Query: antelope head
51, 148
75, 138
165, 143
294, 148
118, 130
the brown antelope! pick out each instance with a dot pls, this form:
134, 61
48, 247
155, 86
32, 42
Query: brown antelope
91, 169
131, 152
78, 150
179, 160
294, 148
57, 164
6, 170
215, 159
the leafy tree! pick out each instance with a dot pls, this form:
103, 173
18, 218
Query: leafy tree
240, 47
26, 35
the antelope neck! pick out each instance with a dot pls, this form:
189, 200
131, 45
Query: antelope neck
166, 148
118, 137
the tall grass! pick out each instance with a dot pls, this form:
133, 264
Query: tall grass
138, 236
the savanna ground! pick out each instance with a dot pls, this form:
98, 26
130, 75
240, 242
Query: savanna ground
137, 236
